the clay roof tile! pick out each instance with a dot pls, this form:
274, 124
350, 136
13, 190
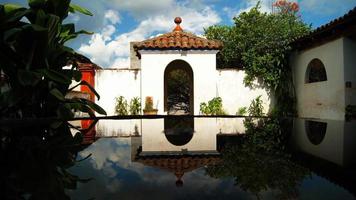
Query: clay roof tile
178, 39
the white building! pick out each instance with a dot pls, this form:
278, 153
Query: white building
324, 69
154, 60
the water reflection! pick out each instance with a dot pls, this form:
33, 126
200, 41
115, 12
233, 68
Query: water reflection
207, 158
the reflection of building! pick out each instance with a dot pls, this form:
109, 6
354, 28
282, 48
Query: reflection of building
329, 150
177, 145
333, 141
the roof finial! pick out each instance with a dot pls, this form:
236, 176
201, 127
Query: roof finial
178, 20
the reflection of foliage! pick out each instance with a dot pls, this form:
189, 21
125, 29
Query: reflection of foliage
35, 161
214, 107
121, 106
179, 89
32, 55
259, 161
256, 107
135, 106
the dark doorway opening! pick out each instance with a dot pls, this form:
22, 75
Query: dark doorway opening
178, 88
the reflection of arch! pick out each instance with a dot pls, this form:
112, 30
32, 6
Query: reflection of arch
315, 72
178, 88
315, 131
179, 131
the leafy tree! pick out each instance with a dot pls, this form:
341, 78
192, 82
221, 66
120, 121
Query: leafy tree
260, 43
32, 56
179, 91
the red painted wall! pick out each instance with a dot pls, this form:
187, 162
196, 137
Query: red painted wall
88, 75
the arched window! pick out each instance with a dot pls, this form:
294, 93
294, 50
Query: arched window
315, 72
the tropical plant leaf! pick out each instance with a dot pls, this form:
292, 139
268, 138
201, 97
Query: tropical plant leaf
8, 8
27, 78
94, 106
55, 76
56, 93
36, 3
76, 8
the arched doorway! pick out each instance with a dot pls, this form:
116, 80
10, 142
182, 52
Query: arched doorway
178, 88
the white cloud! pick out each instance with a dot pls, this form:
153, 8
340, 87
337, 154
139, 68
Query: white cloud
109, 51
265, 6
112, 16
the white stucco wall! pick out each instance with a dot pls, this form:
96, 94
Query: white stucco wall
112, 83
235, 94
350, 70
325, 100
149, 81
203, 64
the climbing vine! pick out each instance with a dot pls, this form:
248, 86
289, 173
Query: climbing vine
260, 43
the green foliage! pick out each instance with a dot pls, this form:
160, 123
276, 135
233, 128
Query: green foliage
36, 163
260, 43
32, 55
242, 111
259, 161
213, 107
121, 106
256, 107
135, 106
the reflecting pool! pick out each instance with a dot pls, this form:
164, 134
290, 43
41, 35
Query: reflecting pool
181, 158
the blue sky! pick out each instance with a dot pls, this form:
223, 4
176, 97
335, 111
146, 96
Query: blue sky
117, 22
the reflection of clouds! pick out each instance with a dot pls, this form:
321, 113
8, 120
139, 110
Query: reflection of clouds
115, 175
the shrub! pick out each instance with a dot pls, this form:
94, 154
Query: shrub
121, 106
213, 107
135, 106
242, 111
256, 107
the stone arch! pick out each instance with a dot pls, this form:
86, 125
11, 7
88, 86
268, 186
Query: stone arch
315, 71
179, 88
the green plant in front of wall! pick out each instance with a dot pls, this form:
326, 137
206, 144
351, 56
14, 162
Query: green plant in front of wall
260, 43
242, 111
32, 56
135, 106
149, 110
121, 106
213, 107
256, 107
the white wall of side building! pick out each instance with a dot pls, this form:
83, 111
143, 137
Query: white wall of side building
112, 83
326, 99
350, 70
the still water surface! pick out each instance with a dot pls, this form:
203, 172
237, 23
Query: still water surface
210, 158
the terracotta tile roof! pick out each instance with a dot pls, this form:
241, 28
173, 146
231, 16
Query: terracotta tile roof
178, 39
84, 63
343, 26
